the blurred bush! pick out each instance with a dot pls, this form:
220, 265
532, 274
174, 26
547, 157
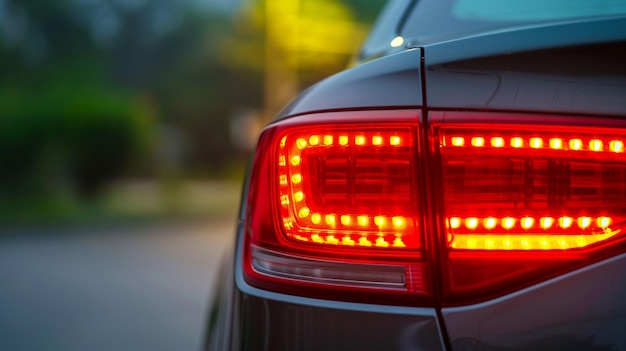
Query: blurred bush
67, 138
96, 91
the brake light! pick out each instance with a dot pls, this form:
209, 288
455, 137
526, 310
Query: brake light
337, 204
338, 194
348, 186
524, 202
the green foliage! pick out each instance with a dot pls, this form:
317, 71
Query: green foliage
72, 74
365, 10
67, 136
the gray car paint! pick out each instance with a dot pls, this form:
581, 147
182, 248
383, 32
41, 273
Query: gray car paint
391, 81
541, 69
581, 310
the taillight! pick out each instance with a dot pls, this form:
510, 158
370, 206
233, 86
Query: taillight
337, 200
524, 202
334, 207
348, 185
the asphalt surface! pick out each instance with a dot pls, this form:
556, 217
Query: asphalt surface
133, 288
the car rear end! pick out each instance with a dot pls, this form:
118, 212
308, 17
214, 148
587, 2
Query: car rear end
459, 192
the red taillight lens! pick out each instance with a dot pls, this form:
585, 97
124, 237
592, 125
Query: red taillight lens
348, 185
339, 203
531, 190
526, 202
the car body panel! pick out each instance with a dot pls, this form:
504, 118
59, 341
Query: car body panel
393, 80
248, 318
513, 71
582, 310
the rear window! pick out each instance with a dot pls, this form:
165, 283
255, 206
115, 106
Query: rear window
433, 20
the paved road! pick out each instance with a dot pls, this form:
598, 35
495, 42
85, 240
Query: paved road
141, 288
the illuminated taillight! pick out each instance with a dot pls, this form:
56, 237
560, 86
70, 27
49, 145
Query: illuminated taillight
529, 202
373, 207
348, 186
334, 207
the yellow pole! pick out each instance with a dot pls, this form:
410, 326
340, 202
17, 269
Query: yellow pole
281, 26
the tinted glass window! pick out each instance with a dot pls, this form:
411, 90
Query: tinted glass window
385, 29
439, 19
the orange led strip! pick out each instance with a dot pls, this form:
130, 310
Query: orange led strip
333, 221
362, 240
527, 223
343, 139
556, 143
527, 241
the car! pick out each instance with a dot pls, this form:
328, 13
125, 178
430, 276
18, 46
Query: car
461, 186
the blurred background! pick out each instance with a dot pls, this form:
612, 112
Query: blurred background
104, 99
125, 128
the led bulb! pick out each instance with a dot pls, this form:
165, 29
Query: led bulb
397, 242
359, 140
331, 220
576, 144
380, 242
546, 222
497, 142
478, 141
296, 178
364, 242
490, 222
304, 212
604, 222
316, 218
455, 222
398, 222
283, 179
556, 143
527, 222
471, 223
536, 143
346, 240
379, 221
517, 142
362, 220
508, 222
346, 220
584, 222
616, 146
301, 143
328, 140
595, 145
565, 222
298, 196
457, 141
314, 140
